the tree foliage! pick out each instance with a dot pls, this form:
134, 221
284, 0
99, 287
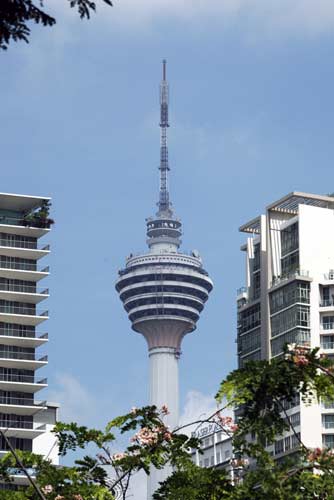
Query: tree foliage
15, 16
259, 391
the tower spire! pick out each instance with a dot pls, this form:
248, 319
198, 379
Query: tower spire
164, 203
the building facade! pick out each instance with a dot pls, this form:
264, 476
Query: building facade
288, 297
25, 418
163, 292
216, 448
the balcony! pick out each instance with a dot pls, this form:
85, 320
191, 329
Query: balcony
327, 326
327, 303
22, 315
22, 270
27, 430
22, 249
20, 406
23, 293
297, 274
18, 226
22, 359
21, 383
17, 338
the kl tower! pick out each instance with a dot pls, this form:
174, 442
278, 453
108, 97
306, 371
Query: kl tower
164, 291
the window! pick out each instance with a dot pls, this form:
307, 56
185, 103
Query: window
206, 462
298, 336
218, 459
289, 239
256, 285
255, 356
212, 460
249, 318
287, 443
290, 263
249, 341
256, 262
327, 341
328, 421
295, 440
328, 322
290, 294
328, 440
286, 320
279, 446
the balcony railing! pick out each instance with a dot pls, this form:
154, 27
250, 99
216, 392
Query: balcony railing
12, 287
28, 379
327, 326
21, 333
327, 345
22, 310
20, 401
298, 273
16, 424
23, 266
26, 356
327, 303
17, 221
22, 244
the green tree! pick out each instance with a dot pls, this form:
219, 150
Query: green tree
260, 390
15, 16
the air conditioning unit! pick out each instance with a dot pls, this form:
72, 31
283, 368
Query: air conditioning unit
331, 274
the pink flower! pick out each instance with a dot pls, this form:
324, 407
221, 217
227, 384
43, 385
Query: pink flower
119, 456
47, 489
164, 410
300, 360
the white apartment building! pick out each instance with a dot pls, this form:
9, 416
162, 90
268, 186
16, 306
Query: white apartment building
26, 420
216, 447
289, 297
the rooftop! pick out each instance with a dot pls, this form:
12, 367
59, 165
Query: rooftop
289, 205
20, 202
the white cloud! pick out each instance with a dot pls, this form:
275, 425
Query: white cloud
260, 16
76, 403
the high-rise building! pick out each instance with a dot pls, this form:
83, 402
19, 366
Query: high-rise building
27, 421
164, 291
289, 298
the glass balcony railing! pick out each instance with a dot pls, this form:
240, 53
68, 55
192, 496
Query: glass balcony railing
327, 345
22, 310
297, 273
16, 424
16, 377
22, 288
19, 243
23, 266
22, 355
327, 326
20, 401
20, 221
15, 332
327, 303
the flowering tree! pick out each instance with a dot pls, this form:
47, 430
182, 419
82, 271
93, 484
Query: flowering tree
259, 391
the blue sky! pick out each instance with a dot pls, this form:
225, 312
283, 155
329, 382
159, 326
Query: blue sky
251, 120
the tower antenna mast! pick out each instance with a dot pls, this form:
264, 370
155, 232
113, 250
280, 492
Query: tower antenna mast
164, 203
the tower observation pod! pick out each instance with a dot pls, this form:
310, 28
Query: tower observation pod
163, 292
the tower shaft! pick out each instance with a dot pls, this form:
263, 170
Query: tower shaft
163, 390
